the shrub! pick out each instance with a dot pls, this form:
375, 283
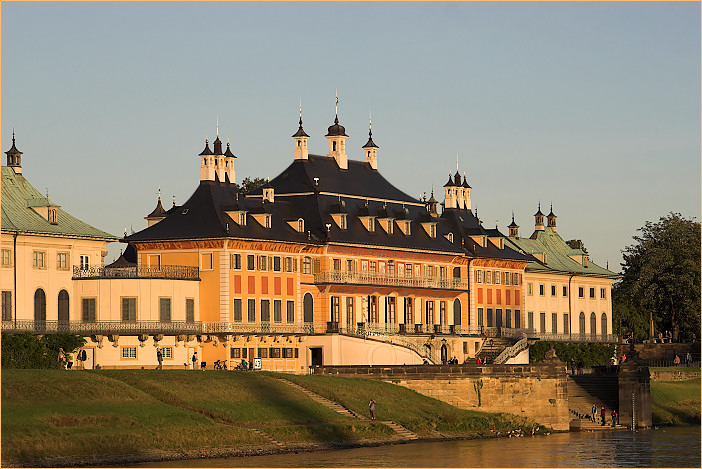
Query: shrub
589, 354
30, 351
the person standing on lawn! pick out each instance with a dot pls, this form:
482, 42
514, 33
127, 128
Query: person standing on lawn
371, 407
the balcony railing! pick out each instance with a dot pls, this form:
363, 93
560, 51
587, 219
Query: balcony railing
596, 338
172, 272
374, 278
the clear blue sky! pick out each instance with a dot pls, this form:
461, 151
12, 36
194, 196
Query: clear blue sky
592, 106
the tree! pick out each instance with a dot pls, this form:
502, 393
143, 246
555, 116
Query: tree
661, 280
248, 184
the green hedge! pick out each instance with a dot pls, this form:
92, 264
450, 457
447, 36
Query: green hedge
30, 351
589, 354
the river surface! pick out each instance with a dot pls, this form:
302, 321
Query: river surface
664, 447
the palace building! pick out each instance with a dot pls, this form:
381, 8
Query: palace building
326, 264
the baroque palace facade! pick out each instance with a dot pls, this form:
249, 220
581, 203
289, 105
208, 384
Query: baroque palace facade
326, 264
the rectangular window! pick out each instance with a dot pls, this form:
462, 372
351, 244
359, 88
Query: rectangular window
565, 291
307, 265
553, 290
84, 262
88, 309
566, 324
190, 310
581, 292
235, 352
335, 309
408, 270
129, 309
288, 352
498, 317
488, 276
497, 278
265, 310
235, 261
517, 318
275, 352
602, 293
263, 263
554, 323
592, 292
465, 347
62, 260
529, 288
530, 320
541, 290
290, 312
129, 352
350, 316
155, 261
276, 263
391, 268
542, 322
480, 316
489, 317
38, 260
262, 353
478, 276
442, 272
429, 312
6, 257
164, 309
205, 261
373, 266
278, 310
349, 265
167, 352
244, 352
251, 311
250, 262
7, 305
287, 264
238, 314
508, 318
507, 278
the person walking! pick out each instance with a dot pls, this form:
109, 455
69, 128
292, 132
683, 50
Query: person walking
688, 359
195, 360
594, 412
371, 407
159, 357
61, 359
79, 359
603, 414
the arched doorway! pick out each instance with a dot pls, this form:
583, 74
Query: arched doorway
593, 324
582, 322
39, 309
457, 312
308, 309
63, 303
444, 354
603, 325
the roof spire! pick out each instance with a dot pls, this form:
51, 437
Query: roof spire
370, 125
336, 111
217, 126
159, 192
456, 161
174, 200
300, 112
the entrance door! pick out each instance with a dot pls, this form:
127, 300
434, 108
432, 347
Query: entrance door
444, 354
316, 356
89, 363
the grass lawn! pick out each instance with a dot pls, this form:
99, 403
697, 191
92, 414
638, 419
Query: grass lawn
675, 402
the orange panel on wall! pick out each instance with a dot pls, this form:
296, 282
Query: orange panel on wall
508, 293
264, 285
276, 286
291, 288
237, 284
252, 285
517, 297
489, 295
480, 295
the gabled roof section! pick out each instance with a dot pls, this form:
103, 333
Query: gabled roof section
557, 253
18, 196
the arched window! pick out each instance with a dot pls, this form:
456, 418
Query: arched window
300, 225
308, 307
582, 322
39, 305
63, 305
457, 312
333, 146
593, 324
603, 323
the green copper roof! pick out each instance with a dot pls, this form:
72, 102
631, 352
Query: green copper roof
19, 200
557, 254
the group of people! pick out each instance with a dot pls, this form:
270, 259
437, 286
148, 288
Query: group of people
574, 366
603, 415
451, 361
81, 357
480, 361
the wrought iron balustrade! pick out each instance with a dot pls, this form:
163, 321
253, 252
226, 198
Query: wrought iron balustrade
172, 272
102, 327
384, 279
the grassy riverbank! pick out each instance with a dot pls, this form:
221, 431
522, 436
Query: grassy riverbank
54, 417
675, 402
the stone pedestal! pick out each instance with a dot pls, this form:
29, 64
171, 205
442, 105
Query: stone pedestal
634, 392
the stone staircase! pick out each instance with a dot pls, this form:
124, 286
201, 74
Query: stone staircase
586, 390
493, 347
399, 429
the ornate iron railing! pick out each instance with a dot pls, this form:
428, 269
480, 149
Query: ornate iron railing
103, 327
375, 278
173, 272
591, 338
512, 351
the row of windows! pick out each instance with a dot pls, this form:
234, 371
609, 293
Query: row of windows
497, 277
131, 352
39, 259
554, 288
392, 268
265, 311
264, 352
487, 319
566, 323
392, 304
129, 309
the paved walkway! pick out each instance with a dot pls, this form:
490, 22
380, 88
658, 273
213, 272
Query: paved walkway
399, 429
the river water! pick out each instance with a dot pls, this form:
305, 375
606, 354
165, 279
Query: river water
664, 447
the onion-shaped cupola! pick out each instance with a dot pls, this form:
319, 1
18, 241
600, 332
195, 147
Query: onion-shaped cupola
539, 220
370, 149
14, 157
336, 134
158, 213
551, 219
300, 138
513, 228
432, 204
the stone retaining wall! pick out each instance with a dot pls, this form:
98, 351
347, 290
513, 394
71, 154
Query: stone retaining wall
673, 375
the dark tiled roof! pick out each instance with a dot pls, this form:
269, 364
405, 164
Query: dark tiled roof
336, 129
228, 152
450, 182
13, 149
217, 144
158, 211
207, 150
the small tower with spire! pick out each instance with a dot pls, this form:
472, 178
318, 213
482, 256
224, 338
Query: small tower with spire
300, 138
14, 157
551, 219
229, 164
158, 213
336, 134
450, 193
431, 204
220, 167
539, 220
460, 200
370, 148
207, 163
513, 228
466, 192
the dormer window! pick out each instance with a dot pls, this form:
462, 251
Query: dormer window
389, 229
267, 220
407, 228
342, 221
300, 225
371, 225
242, 219
449, 236
52, 216
432, 230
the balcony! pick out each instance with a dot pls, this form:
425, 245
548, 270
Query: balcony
102, 327
170, 272
375, 278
